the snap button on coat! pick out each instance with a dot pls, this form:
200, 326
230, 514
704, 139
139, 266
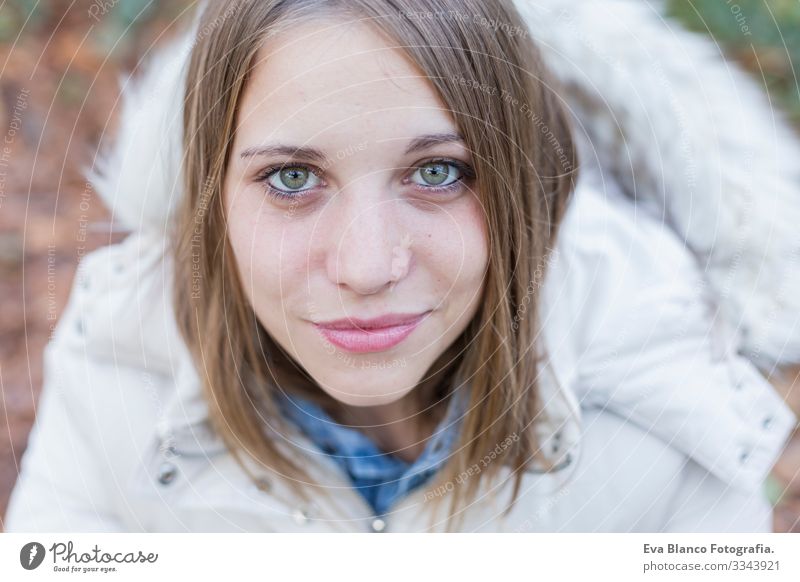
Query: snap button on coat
166, 473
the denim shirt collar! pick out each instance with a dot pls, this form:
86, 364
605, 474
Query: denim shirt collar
381, 478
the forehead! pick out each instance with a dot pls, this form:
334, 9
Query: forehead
336, 76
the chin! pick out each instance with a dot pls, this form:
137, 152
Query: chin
363, 400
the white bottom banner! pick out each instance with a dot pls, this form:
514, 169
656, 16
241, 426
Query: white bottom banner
415, 557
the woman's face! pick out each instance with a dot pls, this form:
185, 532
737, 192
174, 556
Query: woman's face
348, 198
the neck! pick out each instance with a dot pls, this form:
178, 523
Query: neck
403, 427
399, 428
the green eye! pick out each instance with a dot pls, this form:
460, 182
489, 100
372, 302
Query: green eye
293, 179
437, 174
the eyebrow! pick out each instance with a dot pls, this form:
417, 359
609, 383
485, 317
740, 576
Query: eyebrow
424, 142
419, 143
311, 154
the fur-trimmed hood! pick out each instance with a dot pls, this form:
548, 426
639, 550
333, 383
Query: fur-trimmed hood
682, 132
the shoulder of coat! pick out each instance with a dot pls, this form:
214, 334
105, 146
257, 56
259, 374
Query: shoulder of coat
120, 307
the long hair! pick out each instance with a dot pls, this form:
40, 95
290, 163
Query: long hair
487, 71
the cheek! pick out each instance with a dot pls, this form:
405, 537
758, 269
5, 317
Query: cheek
458, 246
270, 255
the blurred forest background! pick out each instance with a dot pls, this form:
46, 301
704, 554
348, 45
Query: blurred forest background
59, 84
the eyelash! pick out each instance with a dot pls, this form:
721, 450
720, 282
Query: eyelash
467, 173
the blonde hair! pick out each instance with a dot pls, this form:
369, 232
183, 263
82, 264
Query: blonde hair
504, 103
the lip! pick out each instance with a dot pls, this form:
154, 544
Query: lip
370, 335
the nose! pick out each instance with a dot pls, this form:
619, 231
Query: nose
370, 251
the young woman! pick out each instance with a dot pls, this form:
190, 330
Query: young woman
387, 298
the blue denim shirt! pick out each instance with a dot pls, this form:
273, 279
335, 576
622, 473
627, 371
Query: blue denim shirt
380, 477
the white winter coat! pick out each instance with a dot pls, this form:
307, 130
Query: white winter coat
668, 427
674, 431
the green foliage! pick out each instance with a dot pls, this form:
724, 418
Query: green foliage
764, 35
113, 22
18, 15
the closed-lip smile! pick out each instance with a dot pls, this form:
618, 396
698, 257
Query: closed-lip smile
377, 334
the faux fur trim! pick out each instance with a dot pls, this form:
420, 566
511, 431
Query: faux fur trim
659, 110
